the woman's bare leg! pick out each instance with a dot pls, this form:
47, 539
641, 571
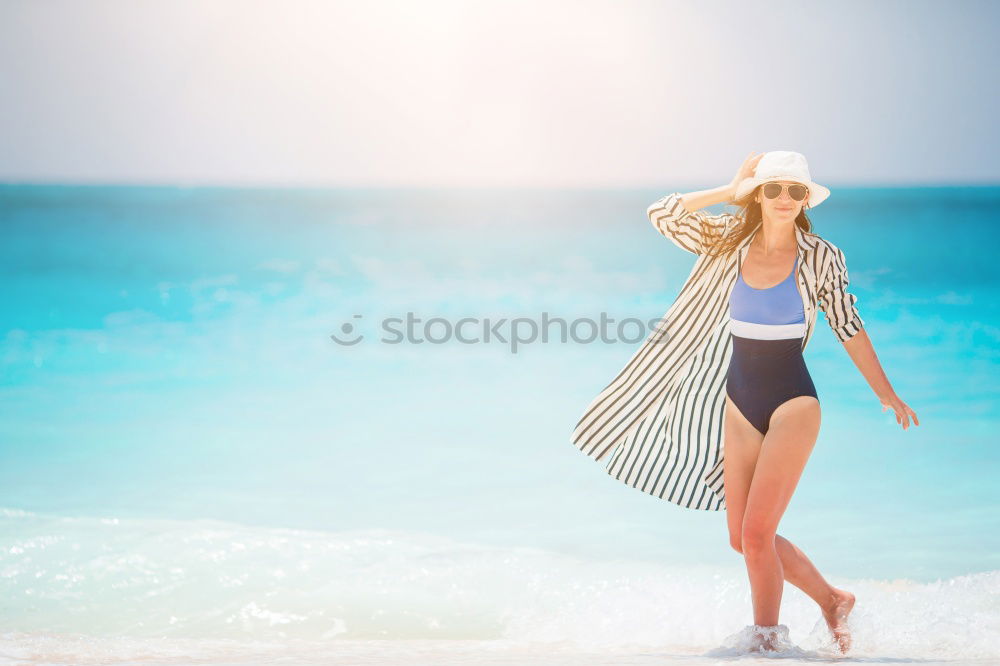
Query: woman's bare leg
743, 446
835, 603
743, 443
803, 574
790, 439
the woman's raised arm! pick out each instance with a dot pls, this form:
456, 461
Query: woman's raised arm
678, 216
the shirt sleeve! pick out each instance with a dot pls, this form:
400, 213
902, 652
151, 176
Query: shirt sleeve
694, 232
837, 303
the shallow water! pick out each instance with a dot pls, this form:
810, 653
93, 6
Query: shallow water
129, 589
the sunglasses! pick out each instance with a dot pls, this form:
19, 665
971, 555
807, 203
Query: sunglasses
773, 191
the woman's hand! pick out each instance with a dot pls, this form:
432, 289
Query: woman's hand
745, 171
902, 410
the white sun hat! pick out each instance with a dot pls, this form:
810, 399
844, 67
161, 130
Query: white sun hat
783, 165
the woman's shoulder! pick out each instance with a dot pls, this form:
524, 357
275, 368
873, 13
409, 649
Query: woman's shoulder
822, 245
830, 260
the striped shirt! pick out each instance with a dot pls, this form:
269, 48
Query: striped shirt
659, 423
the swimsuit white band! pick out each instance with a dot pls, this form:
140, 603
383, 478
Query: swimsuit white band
746, 329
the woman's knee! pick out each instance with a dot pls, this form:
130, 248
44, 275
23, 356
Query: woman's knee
756, 538
736, 541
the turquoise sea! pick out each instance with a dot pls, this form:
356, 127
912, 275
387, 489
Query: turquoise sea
194, 470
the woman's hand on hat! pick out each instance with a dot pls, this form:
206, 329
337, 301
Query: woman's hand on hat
745, 171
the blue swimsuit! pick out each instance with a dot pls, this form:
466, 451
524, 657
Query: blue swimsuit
767, 367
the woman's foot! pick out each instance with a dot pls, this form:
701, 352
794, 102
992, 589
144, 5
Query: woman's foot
769, 638
835, 613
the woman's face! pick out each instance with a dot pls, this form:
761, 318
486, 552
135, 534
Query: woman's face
783, 207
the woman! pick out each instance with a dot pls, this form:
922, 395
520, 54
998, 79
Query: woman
725, 365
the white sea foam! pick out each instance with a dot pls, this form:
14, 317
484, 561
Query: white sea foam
104, 590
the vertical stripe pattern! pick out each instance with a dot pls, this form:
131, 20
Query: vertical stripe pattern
657, 425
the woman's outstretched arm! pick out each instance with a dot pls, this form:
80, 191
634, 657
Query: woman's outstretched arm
838, 304
862, 352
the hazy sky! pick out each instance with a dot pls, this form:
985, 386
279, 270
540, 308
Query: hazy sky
433, 92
